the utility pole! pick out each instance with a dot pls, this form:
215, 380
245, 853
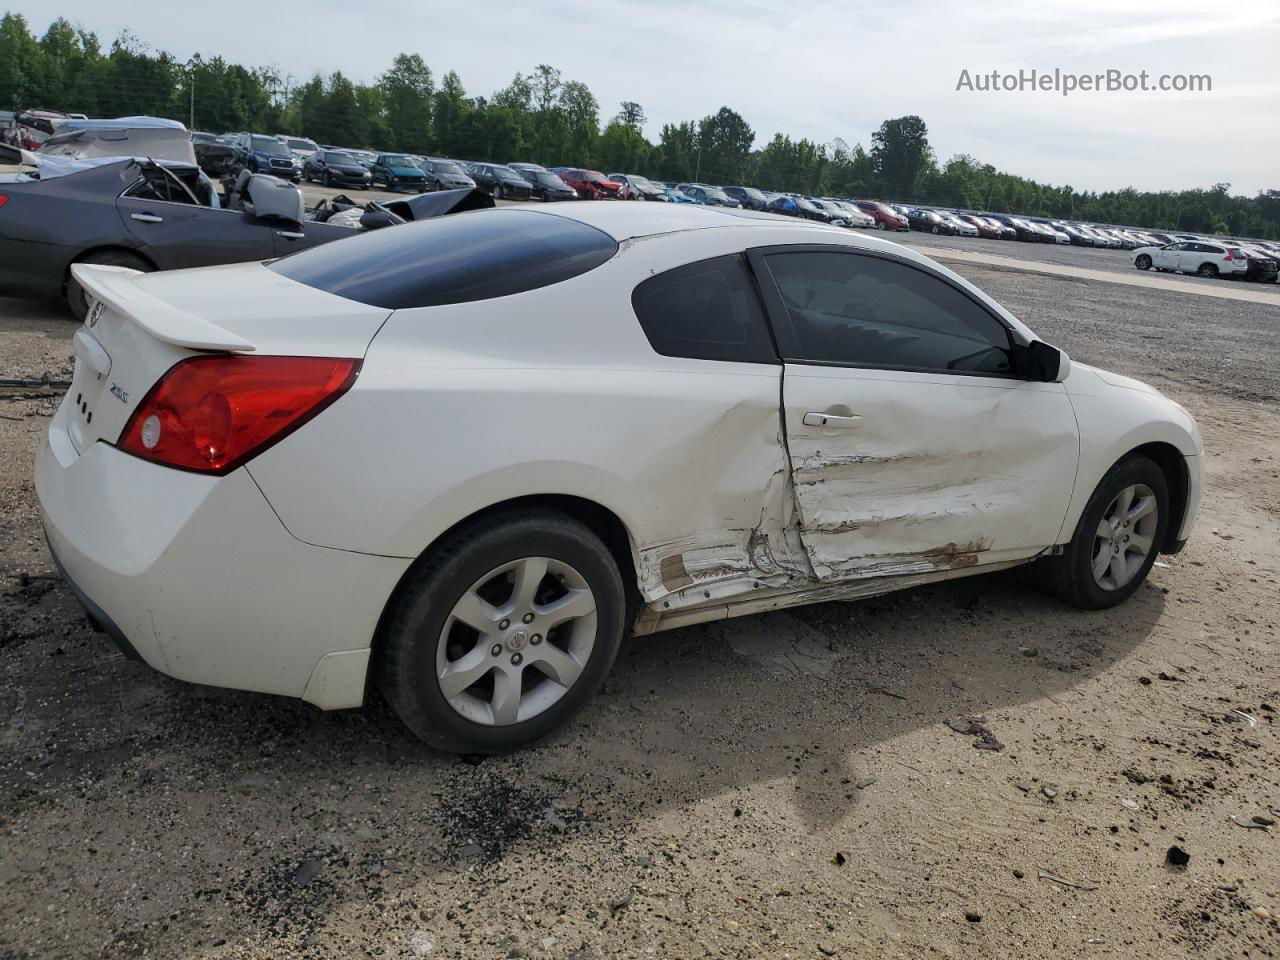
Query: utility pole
191, 124
697, 172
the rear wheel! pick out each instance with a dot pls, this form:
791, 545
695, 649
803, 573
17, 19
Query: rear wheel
1207, 270
77, 299
503, 632
1116, 540
1143, 262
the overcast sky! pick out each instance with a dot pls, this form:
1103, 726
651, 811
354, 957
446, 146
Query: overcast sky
811, 68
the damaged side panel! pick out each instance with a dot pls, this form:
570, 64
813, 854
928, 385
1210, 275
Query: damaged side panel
939, 473
758, 544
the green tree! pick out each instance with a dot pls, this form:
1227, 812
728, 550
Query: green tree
901, 155
582, 115
724, 142
449, 113
407, 91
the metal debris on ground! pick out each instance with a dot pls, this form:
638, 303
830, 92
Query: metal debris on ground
1251, 824
1252, 721
1045, 875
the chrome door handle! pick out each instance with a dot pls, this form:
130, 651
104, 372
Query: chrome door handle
290, 235
146, 217
815, 419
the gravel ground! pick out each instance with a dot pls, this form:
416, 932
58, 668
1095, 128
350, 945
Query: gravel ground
780, 786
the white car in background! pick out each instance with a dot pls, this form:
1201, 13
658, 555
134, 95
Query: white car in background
962, 227
1201, 257
854, 216
303, 148
465, 458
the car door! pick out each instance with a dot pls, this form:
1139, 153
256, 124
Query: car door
1191, 256
914, 446
175, 232
1166, 258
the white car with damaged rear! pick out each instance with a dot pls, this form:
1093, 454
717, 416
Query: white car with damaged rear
462, 460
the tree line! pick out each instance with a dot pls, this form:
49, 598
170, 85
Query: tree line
542, 116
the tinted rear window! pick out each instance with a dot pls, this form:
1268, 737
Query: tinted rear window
707, 310
453, 259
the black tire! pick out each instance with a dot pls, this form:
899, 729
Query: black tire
328, 179
419, 612
497, 191
1143, 262
1070, 575
1207, 270
111, 258
934, 228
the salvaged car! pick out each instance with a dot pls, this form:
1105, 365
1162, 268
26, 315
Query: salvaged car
463, 459
144, 215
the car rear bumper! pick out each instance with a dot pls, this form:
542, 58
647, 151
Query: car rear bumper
199, 579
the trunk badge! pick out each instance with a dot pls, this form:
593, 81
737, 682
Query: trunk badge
95, 313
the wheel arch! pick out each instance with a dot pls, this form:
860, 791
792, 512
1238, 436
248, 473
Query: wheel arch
1174, 467
596, 517
82, 255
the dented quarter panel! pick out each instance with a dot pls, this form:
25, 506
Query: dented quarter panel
942, 472
572, 400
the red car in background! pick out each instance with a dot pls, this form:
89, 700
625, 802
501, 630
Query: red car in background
590, 184
885, 218
986, 229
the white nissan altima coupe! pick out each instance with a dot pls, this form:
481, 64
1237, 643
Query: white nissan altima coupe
462, 459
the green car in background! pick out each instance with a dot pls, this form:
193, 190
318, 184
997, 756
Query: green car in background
396, 171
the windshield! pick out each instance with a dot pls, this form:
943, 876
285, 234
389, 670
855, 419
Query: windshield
542, 176
337, 156
446, 166
395, 160
269, 145
298, 144
500, 171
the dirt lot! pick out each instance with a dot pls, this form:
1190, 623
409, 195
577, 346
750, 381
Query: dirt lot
783, 786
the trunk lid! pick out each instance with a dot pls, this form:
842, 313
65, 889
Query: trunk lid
139, 325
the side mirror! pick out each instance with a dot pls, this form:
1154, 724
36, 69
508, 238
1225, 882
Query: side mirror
1046, 363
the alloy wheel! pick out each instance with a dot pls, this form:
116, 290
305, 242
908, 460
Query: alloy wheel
1125, 536
516, 641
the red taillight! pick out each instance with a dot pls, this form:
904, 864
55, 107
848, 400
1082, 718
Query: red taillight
1228, 256
211, 414
3, 199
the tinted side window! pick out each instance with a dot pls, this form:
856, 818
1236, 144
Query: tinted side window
467, 256
705, 311
868, 311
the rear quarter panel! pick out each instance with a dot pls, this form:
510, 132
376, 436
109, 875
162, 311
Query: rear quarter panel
553, 391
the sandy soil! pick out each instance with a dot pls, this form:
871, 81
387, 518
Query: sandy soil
782, 786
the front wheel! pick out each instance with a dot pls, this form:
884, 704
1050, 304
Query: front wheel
1143, 262
503, 632
1116, 541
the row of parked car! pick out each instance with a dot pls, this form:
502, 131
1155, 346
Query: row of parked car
301, 159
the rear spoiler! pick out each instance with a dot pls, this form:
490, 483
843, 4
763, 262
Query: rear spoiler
118, 288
